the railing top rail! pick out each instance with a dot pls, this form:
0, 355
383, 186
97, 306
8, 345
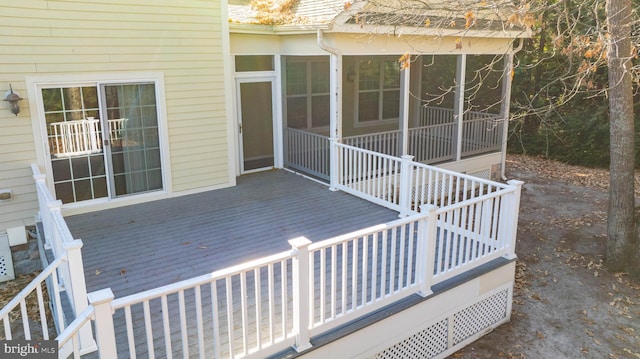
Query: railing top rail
473, 200
487, 117
31, 286
462, 175
200, 280
313, 134
371, 134
80, 320
366, 231
374, 153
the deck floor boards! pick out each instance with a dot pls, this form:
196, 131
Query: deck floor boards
143, 246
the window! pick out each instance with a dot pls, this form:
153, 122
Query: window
245, 63
103, 139
307, 92
377, 90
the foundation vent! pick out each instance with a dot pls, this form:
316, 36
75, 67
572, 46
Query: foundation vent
6, 262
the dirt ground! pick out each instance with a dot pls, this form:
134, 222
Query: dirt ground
566, 305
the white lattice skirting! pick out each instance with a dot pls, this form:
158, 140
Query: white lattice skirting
454, 331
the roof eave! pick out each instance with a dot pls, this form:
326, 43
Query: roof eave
295, 29
508, 33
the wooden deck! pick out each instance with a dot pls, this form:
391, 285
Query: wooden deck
140, 247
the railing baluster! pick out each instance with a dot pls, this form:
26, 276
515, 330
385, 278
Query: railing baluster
166, 327
130, 337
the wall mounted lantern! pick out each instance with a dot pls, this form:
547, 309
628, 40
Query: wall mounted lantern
13, 98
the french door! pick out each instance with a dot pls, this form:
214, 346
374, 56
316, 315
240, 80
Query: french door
103, 140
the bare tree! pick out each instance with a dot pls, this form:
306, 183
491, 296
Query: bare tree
623, 252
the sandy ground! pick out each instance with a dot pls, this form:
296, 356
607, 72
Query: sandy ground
566, 305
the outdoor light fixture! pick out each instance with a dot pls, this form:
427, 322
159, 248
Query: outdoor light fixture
13, 98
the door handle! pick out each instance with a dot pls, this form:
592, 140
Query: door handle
240, 127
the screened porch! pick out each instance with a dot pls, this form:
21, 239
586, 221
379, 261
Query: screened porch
440, 109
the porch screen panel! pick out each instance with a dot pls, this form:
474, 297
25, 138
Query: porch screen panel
307, 92
483, 83
378, 90
134, 138
75, 145
296, 90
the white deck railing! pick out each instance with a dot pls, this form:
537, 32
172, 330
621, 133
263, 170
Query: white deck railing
262, 307
308, 152
435, 141
63, 280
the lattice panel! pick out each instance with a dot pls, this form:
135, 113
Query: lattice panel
425, 344
486, 174
479, 316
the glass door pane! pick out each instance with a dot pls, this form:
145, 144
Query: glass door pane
74, 137
134, 145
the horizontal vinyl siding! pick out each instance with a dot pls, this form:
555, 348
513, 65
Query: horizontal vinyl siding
180, 39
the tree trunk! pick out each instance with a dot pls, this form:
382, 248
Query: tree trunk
622, 247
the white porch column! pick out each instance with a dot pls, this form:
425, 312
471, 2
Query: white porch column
505, 107
301, 308
458, 111
335, 124
405, 94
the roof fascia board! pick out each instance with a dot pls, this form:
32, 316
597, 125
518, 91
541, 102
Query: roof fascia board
275, 29
415, 31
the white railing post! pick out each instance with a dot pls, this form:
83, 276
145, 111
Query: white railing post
52, 236
514, 206
43, 205
105, 334
78, 293
334, 163
427, 238
406, 173
301, 293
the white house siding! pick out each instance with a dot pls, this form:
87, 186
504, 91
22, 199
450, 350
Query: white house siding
183, 40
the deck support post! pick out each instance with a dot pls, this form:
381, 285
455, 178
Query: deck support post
300, 269
78, 292
105, 334
334, 163
512, 215
427, 236
405, 186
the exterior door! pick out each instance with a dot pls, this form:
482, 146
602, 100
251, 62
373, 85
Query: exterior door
103, 140
255, 116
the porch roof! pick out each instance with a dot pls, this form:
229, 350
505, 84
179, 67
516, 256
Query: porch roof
143, 246
499, 18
